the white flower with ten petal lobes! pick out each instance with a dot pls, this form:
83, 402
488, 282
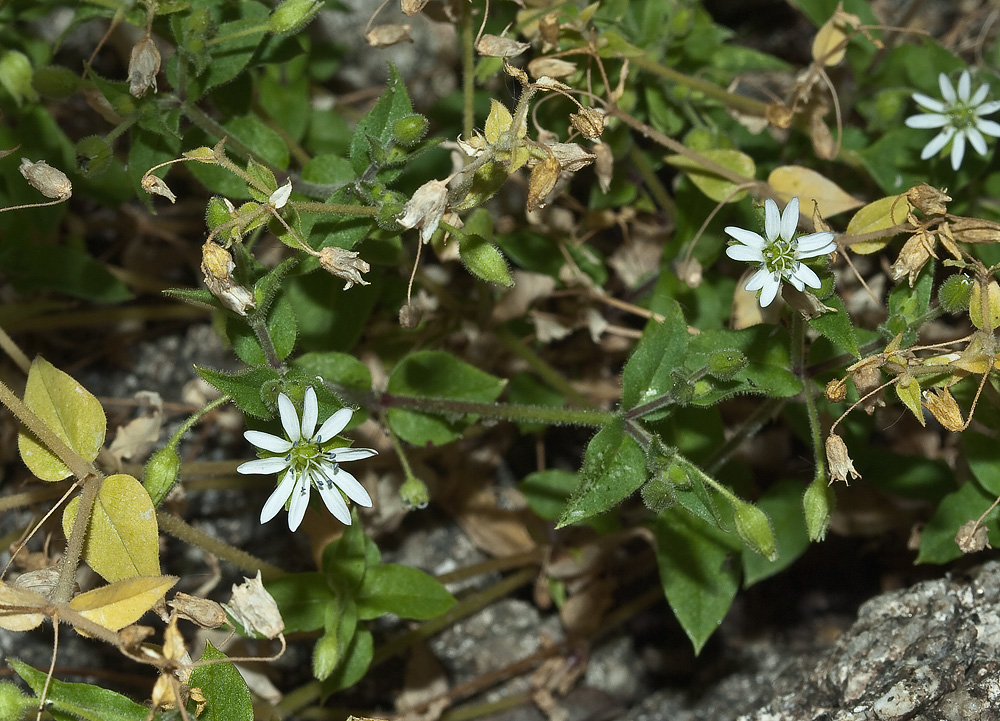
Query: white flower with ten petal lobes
306, 464
959, 116
779, 252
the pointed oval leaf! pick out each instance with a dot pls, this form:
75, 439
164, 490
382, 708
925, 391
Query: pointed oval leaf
226, 693
69, 410
718, 189
403, 590
878, 215
119, 604
79, 700
807, 185
122, 541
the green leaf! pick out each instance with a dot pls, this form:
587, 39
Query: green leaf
698, 570
265, 182
345, 561
393, 104
981, 455
649, 373
237, 42
225, 690
484, 260
438, 375
783, 504
302, 599
72, 701
548, 491
836, 326
714, 186
354, 664
245, 387
937, 542
328, 169
614, 466
405, 591
64, 269
908, 307
268, 286
69, 410
339, 369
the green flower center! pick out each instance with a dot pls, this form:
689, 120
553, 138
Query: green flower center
303, 454
779, 256
962, 115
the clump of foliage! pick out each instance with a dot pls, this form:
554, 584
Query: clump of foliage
568, 217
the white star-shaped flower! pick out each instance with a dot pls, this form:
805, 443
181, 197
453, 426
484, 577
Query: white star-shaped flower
306, 464
779, 252
959, 116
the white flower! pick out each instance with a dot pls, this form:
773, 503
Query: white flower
780, 252
307, 464
959, 117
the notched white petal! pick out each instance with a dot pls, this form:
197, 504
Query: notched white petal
310, 413
334, 425
268, 442
930, 120
335, 503
790, 219
299, 504
745, 253
263, 466
276, 501
747, 237
289, 418
772, 220
341, 455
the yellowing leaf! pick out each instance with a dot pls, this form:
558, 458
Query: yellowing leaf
795, 181
992, 318
718, 189
122, 541
830, 42
498, 121
119, 604
69, 410
14, 602
908, 390
879, 215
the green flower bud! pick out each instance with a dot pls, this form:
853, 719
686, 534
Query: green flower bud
218, 211
410, 130
55, 81
93, 155
658, 494
161, 473
724, 364
326, 656
754, 528
387, 214
293, 14
15, 76
414, 494
13, 703
817, 505
955, 292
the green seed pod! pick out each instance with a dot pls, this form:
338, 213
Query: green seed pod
218, 211
388, 211
55, 81
13, 703
15, 76
410, 130
954, 293
293, 14
817, 505
161, 473
414, 494
93, 155
724, 364
754, 528
658, 494
326, 656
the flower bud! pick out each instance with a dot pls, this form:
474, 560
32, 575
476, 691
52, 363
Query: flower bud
55, 81
839, 460
955, 292
817, 506
410, 130
46, 180
984, 312
13, 703
658, 494
754, 527
326, 656
143, 66
161, 473
344, 264
15, 76
724, 364
414, 494
292, 14
218, 212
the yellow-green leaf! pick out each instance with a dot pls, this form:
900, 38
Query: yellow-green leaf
795, 181
498, 121
15, 605
122, 541
908, 390
118, 604
69, 410
718, 189
992, 318
879, 215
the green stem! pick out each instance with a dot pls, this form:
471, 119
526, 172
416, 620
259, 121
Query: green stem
77, 536
652, 182
213, 129
745, 105
761, 415
259, 326
499, 411
262, 28
799, 368
241, 559
306, 206
468, 71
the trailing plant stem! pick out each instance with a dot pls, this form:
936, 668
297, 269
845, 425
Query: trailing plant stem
77, 537
180, 529
499, 411
798, 352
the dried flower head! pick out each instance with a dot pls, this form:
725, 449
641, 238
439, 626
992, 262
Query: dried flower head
426, 208
156, 186
143, 67
589, 121
255, 609
836, 390
48, 181
217, 265
972, 537
839, 460
945, 409
344, 264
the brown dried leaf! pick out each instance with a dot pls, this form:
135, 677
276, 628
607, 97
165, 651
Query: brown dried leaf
494, 46
383, 36
550, 67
